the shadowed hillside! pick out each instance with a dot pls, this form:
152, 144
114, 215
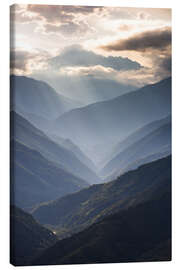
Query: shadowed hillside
131, 235
76, 211
28, 238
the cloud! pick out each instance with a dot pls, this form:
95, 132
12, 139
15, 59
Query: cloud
165, 63
53, 14
162, 66
136, 78
157, 39
126, 13
77, 56
19, 60
24, 62
97, 71
62, 20
125, 27
73, 61
68, 29
19, 14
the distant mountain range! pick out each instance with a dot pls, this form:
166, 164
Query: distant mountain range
28, 238
34, 179
70, 146
151, 139
88, 89
115, 119
26, 133
75, 212
95, 179
97, 127
37, 101
139, 134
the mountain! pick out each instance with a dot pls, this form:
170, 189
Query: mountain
35, 179
29, 96
28, 238
77, 211
70, 146
88, 89
136, 136
126, 236
152, 143
164, 152
25, 133
117, 118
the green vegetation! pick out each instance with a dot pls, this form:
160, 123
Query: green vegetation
79, 210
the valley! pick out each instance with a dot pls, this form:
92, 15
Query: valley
85, 177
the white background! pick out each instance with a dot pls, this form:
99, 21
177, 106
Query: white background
4, 132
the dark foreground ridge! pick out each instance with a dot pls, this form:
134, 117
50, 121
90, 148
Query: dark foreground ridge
28, 238
136, 234
77, 211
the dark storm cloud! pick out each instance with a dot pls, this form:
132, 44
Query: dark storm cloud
158, 39
77, 56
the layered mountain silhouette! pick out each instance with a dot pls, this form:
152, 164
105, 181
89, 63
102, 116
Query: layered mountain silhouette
35, 179
30, 96
26, 133
70, 146
95, 179
149, 140
89, 89
131, 235
28, 238
136, 136
117, 118
77, 211
38, 102
165, 151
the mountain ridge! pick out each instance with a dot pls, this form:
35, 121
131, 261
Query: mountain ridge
24, 131
77, 211
117, 118
36, 179
126, 236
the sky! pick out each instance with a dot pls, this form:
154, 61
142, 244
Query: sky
62, 43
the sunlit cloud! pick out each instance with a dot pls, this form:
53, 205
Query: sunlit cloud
122, 44
25, 62
76, 55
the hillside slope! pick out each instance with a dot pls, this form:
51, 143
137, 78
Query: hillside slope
34, 179
30, 96
117, 118
26, 133
28, 238
152, 143
77, 211
123, 237
136, 136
